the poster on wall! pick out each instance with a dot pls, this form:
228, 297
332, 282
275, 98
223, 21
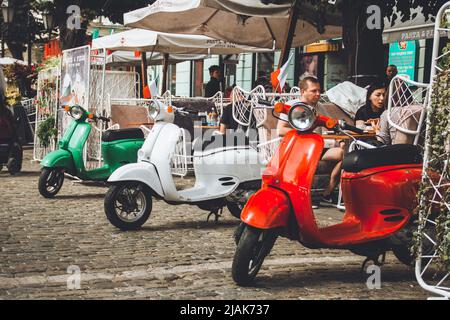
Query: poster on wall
74, 87
309, 66
75, 77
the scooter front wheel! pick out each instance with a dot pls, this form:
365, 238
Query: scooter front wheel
254, 246
128, 205
50, 181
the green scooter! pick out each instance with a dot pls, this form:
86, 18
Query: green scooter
119, 147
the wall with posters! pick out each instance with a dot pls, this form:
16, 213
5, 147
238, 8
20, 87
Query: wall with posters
74, 87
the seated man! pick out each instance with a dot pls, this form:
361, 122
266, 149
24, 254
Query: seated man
310, 95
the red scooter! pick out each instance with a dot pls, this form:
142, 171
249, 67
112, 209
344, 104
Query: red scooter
379, 188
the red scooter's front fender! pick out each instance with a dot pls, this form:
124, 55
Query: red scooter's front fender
268, 208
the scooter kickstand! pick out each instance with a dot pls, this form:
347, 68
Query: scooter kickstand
217, 214
376, 261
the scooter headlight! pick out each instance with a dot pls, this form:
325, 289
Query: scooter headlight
153, 109
302, 117
76, 112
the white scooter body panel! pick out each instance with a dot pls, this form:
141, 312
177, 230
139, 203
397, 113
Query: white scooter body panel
219, 172
142, 171
161, 156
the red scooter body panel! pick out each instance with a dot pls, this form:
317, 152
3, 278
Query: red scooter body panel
304, 151
269, 208
378, 201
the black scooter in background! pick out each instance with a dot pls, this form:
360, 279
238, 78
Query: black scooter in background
11, 152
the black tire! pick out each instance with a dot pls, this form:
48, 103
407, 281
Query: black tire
235, 209
1, 167
121, 201
13, 166
50, 182
403, 242
238, 233
253, 248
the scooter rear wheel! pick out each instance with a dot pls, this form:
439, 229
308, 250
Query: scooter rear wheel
128, 205
50, 182
254, 246
13, 166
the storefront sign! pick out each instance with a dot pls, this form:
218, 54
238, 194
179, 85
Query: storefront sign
403, 55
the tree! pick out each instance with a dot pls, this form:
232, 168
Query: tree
24, 25
65, 12
366, 52
26, 20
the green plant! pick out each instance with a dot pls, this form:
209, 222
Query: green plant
434, 192
49, 63
46, 131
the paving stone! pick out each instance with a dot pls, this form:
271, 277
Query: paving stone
176, 255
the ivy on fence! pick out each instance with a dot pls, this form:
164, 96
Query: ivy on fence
434, 192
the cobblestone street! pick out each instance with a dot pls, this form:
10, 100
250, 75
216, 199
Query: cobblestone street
176, 255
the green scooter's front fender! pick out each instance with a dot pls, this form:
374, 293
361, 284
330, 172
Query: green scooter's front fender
59, 159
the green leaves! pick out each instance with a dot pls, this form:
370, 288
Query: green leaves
46, 131
434, 192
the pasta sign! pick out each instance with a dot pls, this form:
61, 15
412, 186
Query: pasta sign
404, 55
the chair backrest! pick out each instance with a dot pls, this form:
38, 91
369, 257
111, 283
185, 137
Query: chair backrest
409, 118
333, 111
406, 110
129, 116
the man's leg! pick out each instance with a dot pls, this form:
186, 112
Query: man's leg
336, 155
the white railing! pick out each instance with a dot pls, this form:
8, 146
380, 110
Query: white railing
430, 277
45, 107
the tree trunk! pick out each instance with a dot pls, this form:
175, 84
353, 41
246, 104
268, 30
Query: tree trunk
16, 49
72, 38
69, 38
365, 47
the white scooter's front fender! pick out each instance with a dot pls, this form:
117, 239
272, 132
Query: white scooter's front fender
142, 171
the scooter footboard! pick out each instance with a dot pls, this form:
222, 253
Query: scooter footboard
268, 208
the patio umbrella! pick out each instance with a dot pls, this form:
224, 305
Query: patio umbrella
153, 41
249, 22
149, 41
8, 61
129, 58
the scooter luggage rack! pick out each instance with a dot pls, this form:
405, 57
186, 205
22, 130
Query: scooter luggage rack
180, 162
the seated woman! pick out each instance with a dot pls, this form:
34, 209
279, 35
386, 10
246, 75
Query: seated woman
374, 106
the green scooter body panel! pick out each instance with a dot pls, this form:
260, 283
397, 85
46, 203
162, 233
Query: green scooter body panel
76, 145
121, 152
70, 153
59, 159
115, 154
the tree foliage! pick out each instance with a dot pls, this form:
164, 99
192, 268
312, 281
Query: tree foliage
19, 29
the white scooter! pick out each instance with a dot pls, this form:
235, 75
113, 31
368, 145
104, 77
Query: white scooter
225, 175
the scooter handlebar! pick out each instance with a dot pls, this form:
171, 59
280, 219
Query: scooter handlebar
104, 119
265, 102
344, 126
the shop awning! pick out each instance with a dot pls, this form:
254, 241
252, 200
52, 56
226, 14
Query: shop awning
417, 28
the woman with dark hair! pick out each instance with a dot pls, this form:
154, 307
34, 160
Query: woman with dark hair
374, 106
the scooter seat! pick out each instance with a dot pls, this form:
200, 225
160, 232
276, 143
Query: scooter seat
122, 134
397, 154
231, 139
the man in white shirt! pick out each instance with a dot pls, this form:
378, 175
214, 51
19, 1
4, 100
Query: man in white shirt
310, 95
